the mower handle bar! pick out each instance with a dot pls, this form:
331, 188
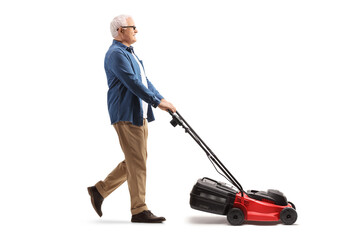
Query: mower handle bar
177, 119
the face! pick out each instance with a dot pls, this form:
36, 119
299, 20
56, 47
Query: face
127, 35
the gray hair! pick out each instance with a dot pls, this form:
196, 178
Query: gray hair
118, 22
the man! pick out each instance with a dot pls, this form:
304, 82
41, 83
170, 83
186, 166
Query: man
130, 98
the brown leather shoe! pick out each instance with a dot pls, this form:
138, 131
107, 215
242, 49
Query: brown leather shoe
147, 217
96, 199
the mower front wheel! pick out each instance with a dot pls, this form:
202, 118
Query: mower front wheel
235, 216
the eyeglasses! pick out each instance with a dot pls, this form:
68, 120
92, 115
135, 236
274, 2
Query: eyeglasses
133, 27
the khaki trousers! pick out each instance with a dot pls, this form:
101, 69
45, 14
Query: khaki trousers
133, 141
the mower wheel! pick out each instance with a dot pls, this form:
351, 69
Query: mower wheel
288, 216
235, 216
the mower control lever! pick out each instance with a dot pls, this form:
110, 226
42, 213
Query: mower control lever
175, 119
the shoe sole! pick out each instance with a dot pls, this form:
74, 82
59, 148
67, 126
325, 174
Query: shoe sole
159, 221
92, 201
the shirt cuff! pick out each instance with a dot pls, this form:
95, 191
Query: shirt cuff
155, 102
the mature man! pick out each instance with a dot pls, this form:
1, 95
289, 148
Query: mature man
130, 98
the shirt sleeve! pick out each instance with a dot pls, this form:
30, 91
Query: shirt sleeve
120, 66
153, 89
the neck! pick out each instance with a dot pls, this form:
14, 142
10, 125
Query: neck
123, 42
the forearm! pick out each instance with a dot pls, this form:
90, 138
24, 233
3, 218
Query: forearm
154, 90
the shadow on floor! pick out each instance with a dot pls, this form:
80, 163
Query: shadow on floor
100, 221
223, 220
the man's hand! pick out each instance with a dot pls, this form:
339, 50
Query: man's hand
165, 105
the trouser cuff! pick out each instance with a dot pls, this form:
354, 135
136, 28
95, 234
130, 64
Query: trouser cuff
138, 210
101, 190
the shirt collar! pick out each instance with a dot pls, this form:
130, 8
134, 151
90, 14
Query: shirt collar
121, 45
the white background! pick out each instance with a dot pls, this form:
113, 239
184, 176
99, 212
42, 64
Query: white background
271, 86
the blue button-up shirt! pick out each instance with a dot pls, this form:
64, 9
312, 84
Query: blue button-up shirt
126, 88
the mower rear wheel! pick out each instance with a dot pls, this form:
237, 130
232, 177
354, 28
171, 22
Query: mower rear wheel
288, 216
235, 216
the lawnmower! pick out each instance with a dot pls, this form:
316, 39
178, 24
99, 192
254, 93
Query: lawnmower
238, 205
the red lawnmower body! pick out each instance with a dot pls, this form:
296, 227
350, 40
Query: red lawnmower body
255, 210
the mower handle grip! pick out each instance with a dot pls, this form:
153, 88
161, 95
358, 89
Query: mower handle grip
170, 112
